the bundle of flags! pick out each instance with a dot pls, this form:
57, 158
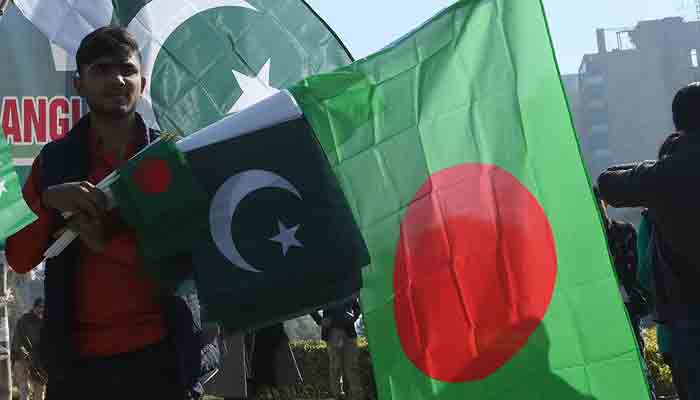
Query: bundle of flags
451, 155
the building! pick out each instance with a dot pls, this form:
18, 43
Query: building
623, 98
571, 88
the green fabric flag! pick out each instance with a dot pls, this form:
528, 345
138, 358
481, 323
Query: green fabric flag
490, 276
204, 59
14, 212
162, 201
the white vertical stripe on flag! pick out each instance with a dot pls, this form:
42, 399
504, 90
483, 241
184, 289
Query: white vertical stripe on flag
65, 22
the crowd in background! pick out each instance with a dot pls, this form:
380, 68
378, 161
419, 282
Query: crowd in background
658, 266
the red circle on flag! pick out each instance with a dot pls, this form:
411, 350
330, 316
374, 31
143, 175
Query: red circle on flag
474, 273
153, 176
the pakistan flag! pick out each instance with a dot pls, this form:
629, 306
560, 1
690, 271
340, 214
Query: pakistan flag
259, 212
14, 212
282, 239
204, 59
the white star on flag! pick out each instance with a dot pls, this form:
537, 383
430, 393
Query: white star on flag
287, 237
255, 88
3, 189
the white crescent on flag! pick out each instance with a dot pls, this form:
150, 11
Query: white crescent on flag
152, 26
224, 206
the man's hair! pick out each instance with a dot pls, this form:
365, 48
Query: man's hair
686, 108
38, 302
109, 40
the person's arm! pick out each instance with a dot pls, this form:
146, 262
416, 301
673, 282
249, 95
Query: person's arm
25, 249
646, 183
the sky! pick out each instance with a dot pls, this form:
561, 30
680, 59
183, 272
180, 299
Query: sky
366, 26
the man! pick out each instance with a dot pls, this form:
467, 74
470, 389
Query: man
670, 189
338, 331
622, 243
112, 333
25, 344
257, 364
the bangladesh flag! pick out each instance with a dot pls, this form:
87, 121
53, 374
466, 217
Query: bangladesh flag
490, 276
161, 200
14, 212
260, 214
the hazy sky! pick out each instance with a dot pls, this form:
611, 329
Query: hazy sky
367, 25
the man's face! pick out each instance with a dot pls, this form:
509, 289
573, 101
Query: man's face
112, 85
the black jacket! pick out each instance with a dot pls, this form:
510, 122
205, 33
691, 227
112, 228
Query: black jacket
66, 160
622, 242
670, 189
26, 338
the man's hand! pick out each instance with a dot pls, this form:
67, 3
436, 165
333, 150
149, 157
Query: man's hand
87, 204
90, 230
76, 197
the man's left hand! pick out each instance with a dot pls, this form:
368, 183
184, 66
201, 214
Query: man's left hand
90, 230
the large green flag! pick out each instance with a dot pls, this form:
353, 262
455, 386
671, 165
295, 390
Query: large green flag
14, 212
490, 277
203, 59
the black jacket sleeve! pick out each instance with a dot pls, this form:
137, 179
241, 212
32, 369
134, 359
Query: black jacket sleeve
644, 184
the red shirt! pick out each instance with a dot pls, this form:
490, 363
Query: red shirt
117, 307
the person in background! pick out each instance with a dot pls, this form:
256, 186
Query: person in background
272, 362
646, 254
670, 189
27, 373
338, 331
257, 364
622, 243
